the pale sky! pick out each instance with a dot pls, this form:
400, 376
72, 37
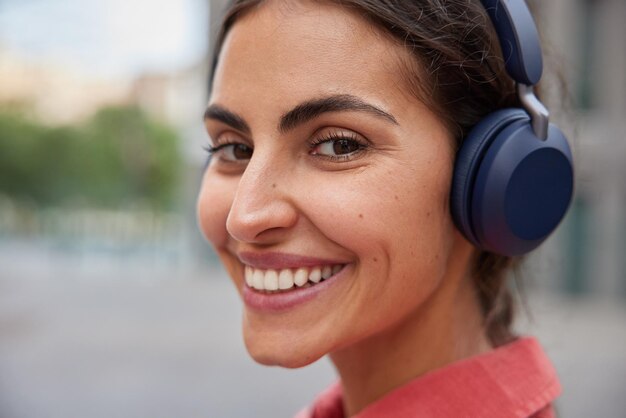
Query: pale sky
107, 37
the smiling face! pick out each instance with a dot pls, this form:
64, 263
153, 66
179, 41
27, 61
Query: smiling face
323, 165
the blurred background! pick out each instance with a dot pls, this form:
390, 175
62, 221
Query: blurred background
111, 304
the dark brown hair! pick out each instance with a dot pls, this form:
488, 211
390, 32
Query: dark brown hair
459, 73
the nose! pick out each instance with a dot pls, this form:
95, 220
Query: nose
262, 210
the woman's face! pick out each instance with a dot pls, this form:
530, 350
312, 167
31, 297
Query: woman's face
324, 164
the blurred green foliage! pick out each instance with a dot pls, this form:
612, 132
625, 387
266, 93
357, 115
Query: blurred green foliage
119, 157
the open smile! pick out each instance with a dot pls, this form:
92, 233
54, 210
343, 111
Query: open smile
274, 281
278, 281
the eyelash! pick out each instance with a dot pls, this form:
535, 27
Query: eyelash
214, 149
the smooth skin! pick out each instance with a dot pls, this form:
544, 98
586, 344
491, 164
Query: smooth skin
367, 184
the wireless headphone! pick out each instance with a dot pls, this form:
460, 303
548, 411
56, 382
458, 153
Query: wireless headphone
513, 178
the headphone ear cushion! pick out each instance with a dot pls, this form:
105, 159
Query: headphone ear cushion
522, 189
510, 189
467, 163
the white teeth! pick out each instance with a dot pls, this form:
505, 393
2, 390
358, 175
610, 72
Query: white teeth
327, 271
271, 280
315, 275
258, 280
248, 275
301, 277
285, 279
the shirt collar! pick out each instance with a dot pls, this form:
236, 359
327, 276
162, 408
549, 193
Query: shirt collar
513, 380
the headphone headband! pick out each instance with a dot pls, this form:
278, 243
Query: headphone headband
519, 39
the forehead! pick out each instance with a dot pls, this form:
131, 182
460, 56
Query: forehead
294, 50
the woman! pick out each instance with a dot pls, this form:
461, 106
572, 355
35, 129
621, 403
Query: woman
334, 127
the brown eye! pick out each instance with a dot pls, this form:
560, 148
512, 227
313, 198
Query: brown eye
338, 148
241, 152
345, 146
232, 152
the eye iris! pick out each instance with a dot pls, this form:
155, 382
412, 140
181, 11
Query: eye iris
344, 146
242, 152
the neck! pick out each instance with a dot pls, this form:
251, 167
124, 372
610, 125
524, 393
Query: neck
446, 328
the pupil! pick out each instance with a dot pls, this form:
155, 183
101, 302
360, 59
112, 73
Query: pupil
242, 152
344, 146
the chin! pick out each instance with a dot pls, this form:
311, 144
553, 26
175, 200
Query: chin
275, 353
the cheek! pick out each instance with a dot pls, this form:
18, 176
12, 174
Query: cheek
214, 202
404, 214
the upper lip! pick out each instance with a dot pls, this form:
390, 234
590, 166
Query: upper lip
277, 261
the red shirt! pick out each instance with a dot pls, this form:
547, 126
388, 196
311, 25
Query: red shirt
515, 380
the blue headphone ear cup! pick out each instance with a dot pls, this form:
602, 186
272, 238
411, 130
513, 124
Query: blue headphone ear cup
522, 190
511, 189
467, 162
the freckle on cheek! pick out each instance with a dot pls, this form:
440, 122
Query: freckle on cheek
375, 260
361, 215
273, 185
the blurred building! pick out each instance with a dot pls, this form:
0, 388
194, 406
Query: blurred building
584, 47
55, 93
178, 99
59, 94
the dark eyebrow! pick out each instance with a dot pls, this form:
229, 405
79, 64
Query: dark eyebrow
302, 113
311, 109
217, 112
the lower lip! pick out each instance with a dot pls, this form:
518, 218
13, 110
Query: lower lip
286, 300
